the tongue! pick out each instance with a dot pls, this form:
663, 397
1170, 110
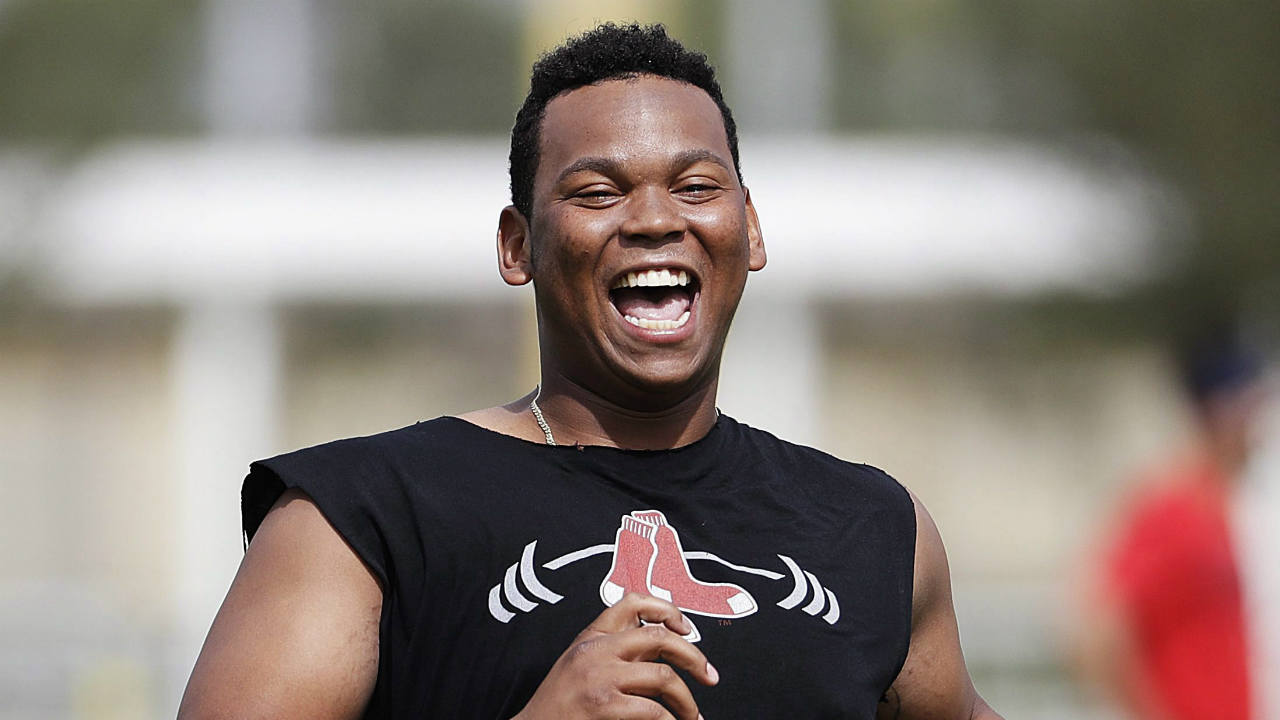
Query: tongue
652, 303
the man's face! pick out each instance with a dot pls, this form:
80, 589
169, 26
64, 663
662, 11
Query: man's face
1233, 420
641, 237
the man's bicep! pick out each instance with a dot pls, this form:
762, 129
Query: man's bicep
934, 683
297, 635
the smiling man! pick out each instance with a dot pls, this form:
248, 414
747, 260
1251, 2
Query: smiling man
610, 545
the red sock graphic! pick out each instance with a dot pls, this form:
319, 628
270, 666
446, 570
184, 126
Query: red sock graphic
669, 575
633, 556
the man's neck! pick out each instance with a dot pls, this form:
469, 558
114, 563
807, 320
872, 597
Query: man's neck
575, 415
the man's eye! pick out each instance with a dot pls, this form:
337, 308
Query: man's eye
697, 189
596, 194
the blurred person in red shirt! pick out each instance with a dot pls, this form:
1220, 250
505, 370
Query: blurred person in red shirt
1164, 628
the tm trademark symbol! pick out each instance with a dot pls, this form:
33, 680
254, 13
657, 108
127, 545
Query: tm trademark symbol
724, 623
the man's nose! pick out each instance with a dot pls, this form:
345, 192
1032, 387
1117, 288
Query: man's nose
653, 215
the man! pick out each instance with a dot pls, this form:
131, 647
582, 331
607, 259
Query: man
1164, 628
548, 558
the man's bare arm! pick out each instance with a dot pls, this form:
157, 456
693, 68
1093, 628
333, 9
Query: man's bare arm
934, 683
297, 635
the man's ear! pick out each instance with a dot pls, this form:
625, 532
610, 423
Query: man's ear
755, 239
514, 252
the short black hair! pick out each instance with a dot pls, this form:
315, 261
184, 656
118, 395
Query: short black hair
608, 52
1217, 360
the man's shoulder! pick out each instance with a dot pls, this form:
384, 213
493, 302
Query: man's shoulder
423, 435
363, 475
816, 463
369, 462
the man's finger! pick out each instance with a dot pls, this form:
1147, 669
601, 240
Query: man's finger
640, 708
658, 643
635, 609
658, 680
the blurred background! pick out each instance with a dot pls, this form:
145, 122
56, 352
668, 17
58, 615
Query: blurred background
230, 228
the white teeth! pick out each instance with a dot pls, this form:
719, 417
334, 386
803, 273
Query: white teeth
660, 325
653, 278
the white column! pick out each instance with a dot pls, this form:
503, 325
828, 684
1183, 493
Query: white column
263, 66
771, 374
262, 76
778, 65
226, 383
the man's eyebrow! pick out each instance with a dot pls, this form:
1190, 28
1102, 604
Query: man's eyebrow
609, 166
601, 165
689, 157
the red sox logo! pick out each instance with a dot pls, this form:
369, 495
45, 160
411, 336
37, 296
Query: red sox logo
648, 557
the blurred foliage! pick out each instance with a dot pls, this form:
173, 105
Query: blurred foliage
1190, 86
415, 67
702, 27
1193, 85
77, 71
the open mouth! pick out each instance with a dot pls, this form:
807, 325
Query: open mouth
659, 299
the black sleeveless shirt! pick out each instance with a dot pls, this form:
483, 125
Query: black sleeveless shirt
494, 553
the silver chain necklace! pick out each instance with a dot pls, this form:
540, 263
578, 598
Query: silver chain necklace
542, 422
537, 415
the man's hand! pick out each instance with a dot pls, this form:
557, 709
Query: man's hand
612, 671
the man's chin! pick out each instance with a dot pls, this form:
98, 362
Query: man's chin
661, 384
